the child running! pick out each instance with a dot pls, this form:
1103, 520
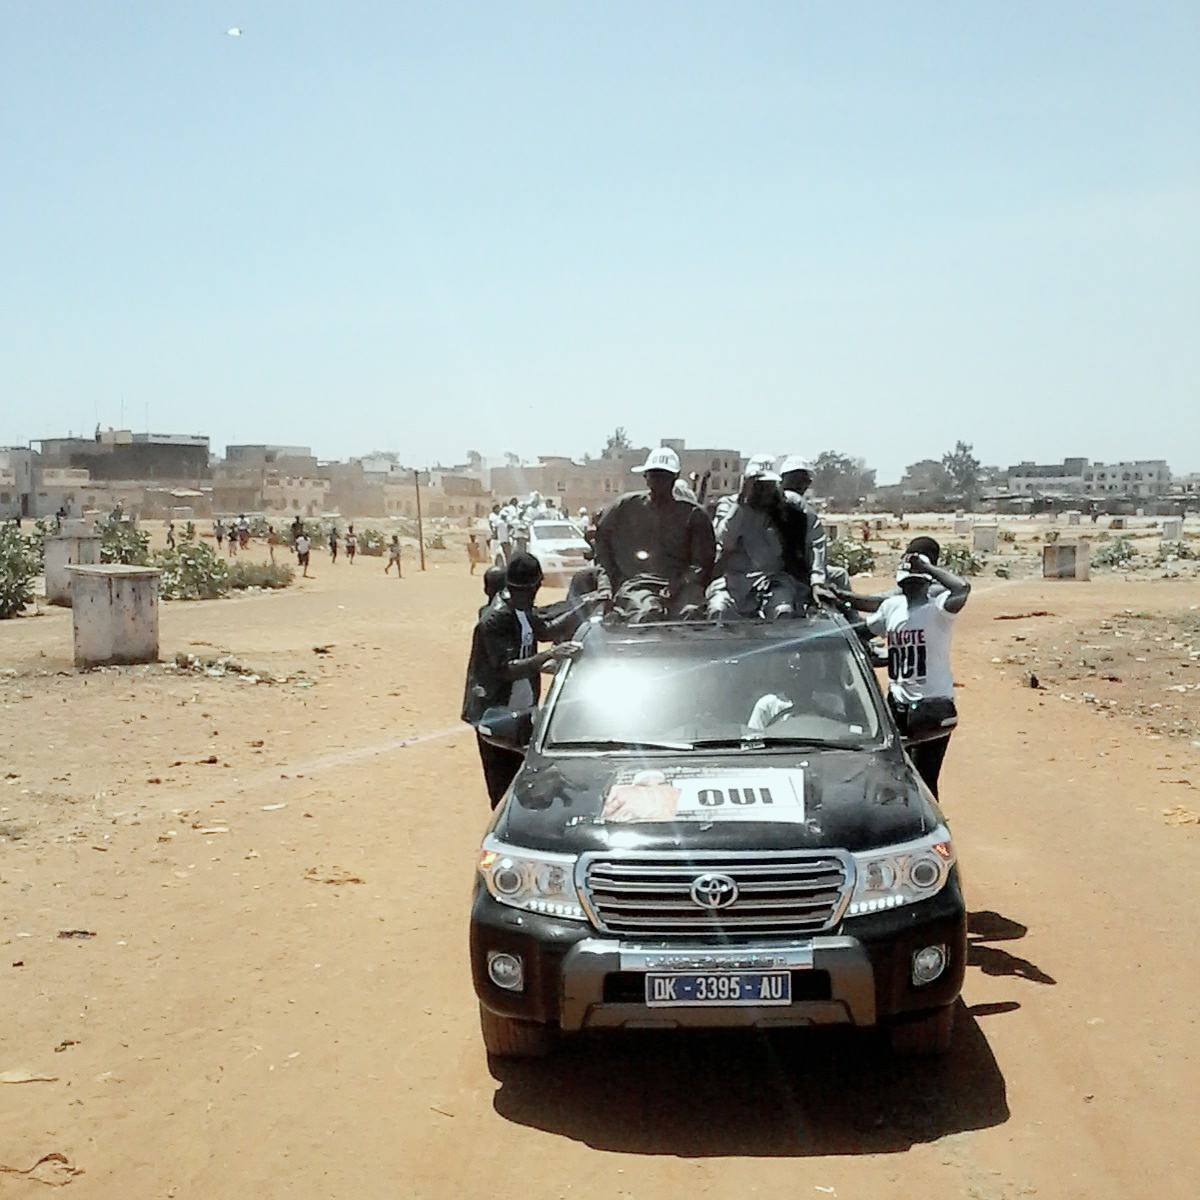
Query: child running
394, 556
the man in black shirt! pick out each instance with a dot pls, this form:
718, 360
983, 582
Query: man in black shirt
504, 671
656, 550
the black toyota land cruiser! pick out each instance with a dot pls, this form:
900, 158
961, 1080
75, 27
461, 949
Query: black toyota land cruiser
715, 826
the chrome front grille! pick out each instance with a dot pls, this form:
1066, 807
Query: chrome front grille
650, 895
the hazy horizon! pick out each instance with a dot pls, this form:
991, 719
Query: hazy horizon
778, 227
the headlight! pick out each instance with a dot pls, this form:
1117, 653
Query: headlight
539, 882
902, 874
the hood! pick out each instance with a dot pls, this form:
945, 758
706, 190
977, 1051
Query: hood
829, 799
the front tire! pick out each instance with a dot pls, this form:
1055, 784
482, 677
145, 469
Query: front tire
508, 1037
924, 1037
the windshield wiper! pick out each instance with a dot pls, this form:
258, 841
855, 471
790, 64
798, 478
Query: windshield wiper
616, 744
755, 739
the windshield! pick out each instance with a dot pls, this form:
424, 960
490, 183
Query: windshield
556, 531
684, 694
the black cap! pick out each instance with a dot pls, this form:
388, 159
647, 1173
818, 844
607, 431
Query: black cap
524, 570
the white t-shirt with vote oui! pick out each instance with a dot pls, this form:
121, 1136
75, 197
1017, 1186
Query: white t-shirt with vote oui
918, 644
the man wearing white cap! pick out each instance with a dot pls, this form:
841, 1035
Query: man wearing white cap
797, 479
753, 579
655, 549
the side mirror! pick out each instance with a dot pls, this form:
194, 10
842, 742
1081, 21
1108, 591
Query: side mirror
507, 728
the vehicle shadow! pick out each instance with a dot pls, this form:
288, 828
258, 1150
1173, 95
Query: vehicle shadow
985, 927
785, 1094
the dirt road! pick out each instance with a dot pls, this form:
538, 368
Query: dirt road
276, 999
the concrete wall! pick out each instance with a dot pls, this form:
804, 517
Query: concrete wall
63, 551
114, 615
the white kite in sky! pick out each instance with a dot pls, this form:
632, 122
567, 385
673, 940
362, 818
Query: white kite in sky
233, 31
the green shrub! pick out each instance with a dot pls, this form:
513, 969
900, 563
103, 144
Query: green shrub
192, 571
19, 563
122, 542
960, 559
260, 575
856, 558
1117, 553
1007, 535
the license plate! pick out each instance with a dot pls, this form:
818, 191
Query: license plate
718, 989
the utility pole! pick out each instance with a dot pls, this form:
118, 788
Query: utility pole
420, 525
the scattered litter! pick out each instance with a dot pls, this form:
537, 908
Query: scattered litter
207, 829
274, 807
81, 934
324, 649
1022, 616
64, 1044
441, 1111
336, 876
26, 1077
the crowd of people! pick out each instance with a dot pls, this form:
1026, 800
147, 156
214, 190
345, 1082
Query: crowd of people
659, 555
508, 524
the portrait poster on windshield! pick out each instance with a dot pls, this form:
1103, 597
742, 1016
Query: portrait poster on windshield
705, 796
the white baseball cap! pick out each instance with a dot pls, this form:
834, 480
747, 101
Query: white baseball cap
794, 462
762, 466
661, 459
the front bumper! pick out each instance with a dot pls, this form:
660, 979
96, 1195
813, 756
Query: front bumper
858, 974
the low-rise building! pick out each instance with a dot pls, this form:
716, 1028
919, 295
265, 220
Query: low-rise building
16, 481
292, 494
120, 454
1068, 478
1141, 477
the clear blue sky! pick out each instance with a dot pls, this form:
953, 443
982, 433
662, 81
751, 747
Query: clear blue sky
510, 226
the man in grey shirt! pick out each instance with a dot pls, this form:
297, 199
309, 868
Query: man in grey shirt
751, 568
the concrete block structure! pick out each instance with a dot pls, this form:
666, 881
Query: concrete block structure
1066, 560
1172, 529
73, 547
115, 611
985, 538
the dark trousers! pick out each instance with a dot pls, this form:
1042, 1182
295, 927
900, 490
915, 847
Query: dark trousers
927, 758
643, 600
928, 753
500, 768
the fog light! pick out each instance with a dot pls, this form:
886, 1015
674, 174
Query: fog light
928, 964
506, 971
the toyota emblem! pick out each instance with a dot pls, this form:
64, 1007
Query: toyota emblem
714, 891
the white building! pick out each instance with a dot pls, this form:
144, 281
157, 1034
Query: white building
1143, 477
1067, 478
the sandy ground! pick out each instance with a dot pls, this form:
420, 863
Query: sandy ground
276, 1000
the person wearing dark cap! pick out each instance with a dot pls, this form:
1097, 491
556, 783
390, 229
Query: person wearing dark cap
655, 549
504, 670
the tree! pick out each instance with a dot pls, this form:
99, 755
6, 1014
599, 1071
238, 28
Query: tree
963, 468
475, 459
618, 442
840, 479
511, 459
